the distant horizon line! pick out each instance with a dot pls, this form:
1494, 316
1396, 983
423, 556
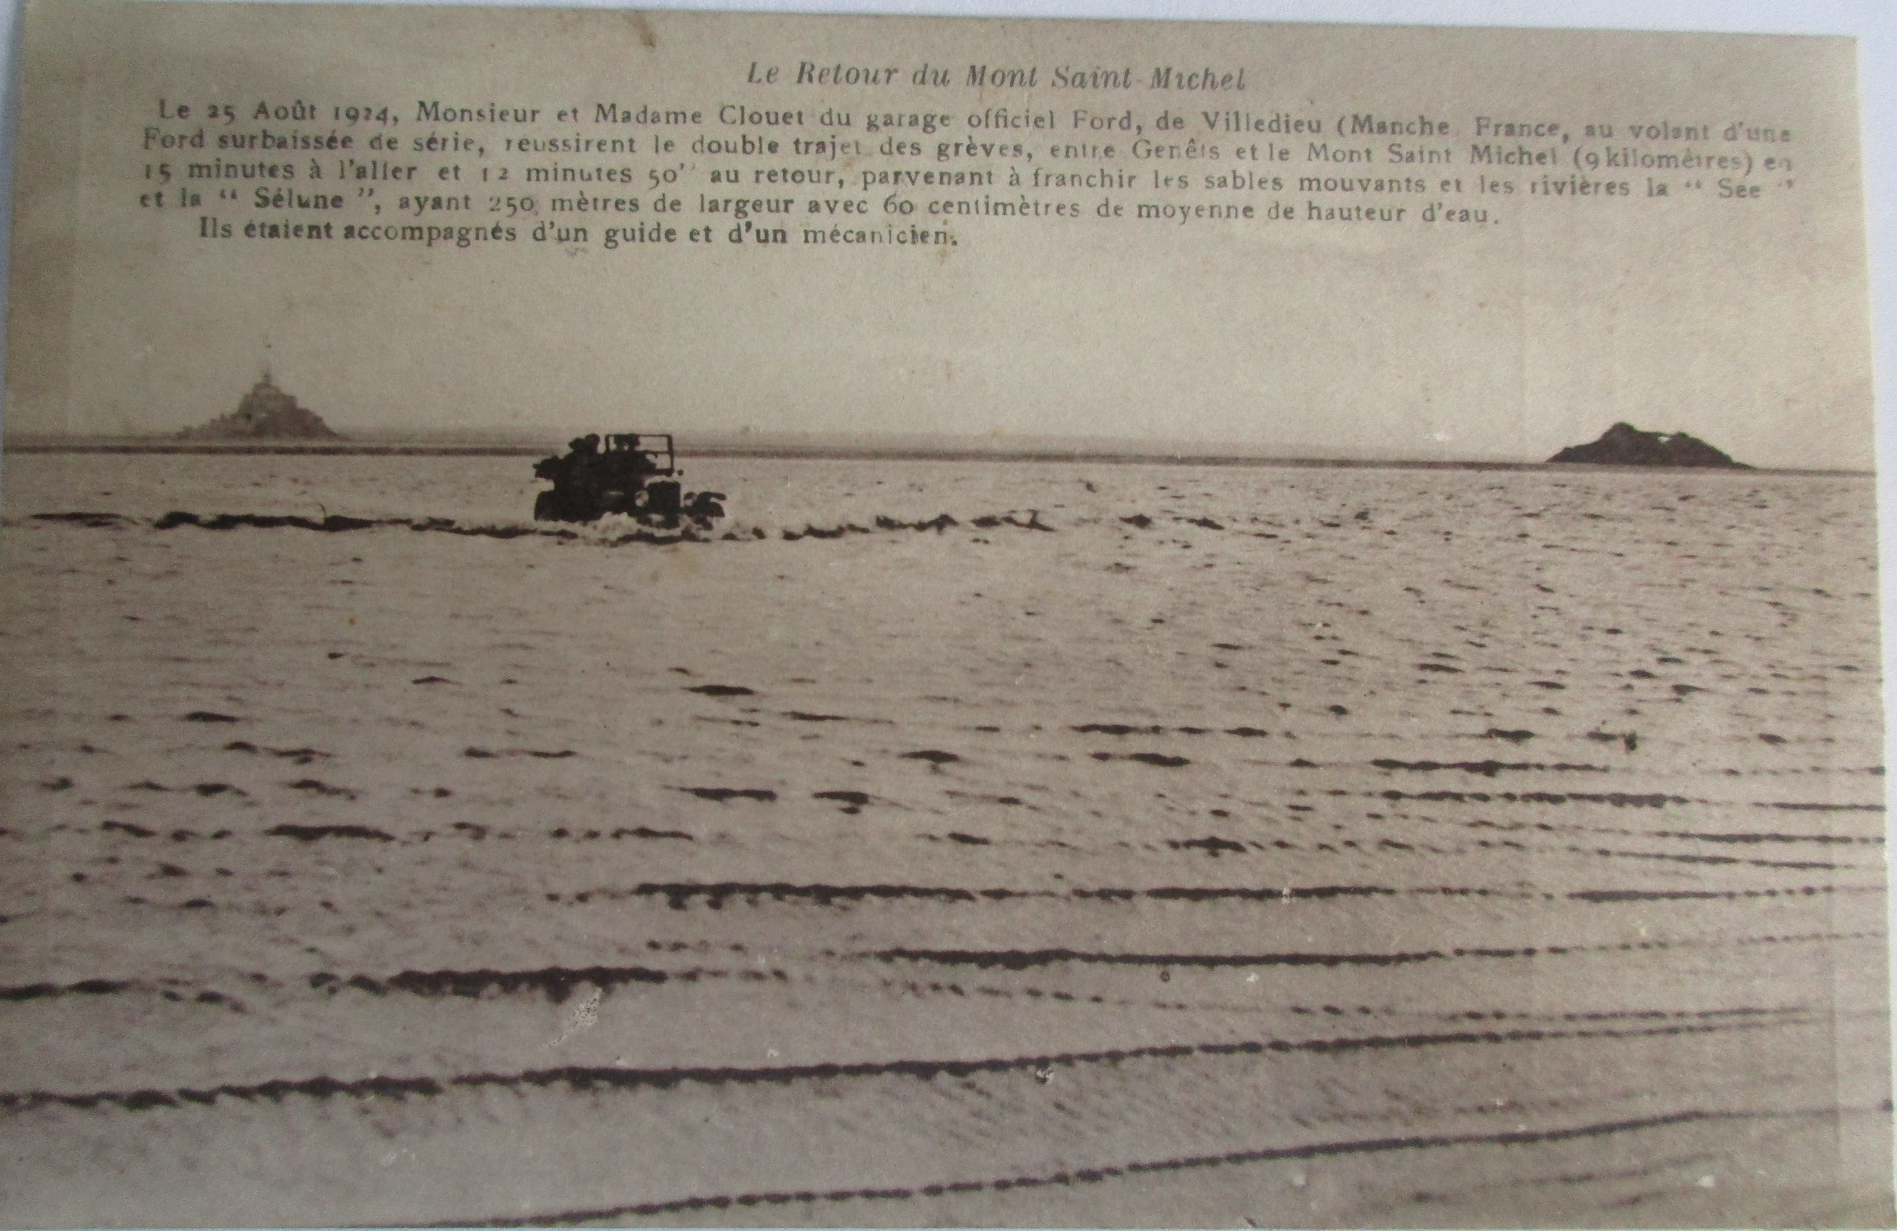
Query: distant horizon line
760, 447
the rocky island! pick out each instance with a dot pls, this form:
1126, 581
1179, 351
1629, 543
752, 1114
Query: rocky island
1626, 445
266, 413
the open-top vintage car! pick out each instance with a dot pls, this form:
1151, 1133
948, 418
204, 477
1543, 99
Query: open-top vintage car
635, 474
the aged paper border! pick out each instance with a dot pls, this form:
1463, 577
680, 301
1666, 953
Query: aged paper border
1872, 22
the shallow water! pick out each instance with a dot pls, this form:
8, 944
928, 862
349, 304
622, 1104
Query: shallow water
1318, 847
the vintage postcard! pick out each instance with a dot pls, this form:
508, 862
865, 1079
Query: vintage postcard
681, 618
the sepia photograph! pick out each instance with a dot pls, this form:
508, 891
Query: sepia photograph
676, 618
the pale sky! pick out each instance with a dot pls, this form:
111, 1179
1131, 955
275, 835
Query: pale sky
1741, 323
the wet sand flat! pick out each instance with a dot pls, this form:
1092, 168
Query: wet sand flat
1134, 845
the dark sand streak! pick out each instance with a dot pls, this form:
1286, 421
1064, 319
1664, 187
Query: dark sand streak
1094, 1175
1023, 959
584, 1079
